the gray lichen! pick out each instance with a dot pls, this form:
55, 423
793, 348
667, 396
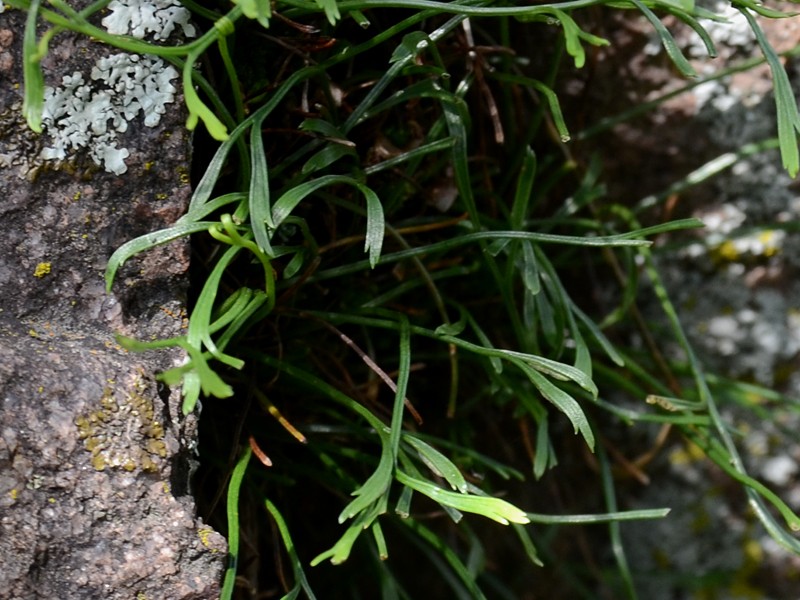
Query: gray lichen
90, 115
82, 114
141, 17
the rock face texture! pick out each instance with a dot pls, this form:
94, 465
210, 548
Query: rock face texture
734, 283
95, 455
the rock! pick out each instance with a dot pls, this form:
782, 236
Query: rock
95, 455
734, 284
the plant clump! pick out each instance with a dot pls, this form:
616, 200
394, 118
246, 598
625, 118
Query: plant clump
417, 302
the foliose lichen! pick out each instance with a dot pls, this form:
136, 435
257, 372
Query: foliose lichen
124, 432
141, 17
89, 115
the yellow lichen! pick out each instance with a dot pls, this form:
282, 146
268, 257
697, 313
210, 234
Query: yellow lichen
688, 455
183, 175
123, 432
42, 269
204, 533
771, 242
727, 251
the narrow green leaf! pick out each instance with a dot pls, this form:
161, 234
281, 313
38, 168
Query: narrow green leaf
147, 241
260, 210
199, 334
778, 533
324, 128
211, 384
234, 488
583, 358
785, 103
764, 11
550, 320
451, 328
492, 508
438, 463
571, 37
241, 317
412, 44
497, 364
375, 225
375, 486
628, 515
527, 544
522, 196
721, 458
455, 515
699, 30
190, 388
380, 541
328, 155
331, 10
403, 508
411, 155
403, 374
558, 370
258, 10
205, 187
599, 336
667, 40
198, 110
617, 545
555, 107
359, 18
427, 88
33, 100
454, 328
206, 208
341, 550
284, 206
561, 400
133, 345
542, 458
502, 470
297, 564
294, 265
